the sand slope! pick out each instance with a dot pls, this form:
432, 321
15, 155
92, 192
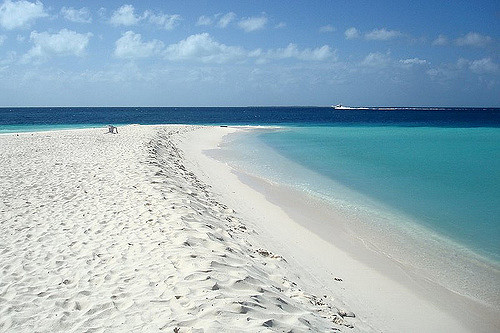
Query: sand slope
102, 232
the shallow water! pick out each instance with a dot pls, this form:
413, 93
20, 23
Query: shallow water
447, 179
428, 198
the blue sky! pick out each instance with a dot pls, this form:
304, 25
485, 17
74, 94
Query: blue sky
222, 53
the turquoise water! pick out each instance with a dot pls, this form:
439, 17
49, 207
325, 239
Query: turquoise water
444, 179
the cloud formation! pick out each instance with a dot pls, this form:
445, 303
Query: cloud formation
81, 15
473, 39
413, 61
125, 15
202, 47
292, 51
382, 34
226, 19
326, 28
253, 23
483, 66
222, 21
63, 43
376, 59
131, 46
204, 20
20, 14
351, 33
165, 21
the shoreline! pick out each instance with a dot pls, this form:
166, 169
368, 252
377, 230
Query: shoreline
311, 214
438, 302
249, 153
372, 224
143, 231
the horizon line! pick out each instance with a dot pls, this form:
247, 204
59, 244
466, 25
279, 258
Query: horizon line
248, 106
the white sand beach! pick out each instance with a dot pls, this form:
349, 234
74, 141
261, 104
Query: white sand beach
143, 231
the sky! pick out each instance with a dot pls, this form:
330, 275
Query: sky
239, 53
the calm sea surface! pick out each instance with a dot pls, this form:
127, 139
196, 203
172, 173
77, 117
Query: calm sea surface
30, 119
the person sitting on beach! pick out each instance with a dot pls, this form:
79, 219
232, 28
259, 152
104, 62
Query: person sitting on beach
112, 129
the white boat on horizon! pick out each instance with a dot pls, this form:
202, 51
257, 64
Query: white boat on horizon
343, 107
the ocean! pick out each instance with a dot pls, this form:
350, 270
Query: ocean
426, 179
47, 118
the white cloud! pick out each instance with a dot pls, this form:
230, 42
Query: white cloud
222, 21
20, 14
462, 67
413, 61
253, 23
131, 46
382, 34
327, 28
65, 42
20, 38
483, 66
204, 20
351, 33
441, 40
473, 39
202, 47
125, 15
81, 15
226, 19
292, 51
167, 22
376, 59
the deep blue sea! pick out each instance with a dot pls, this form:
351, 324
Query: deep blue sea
32, 118
439, 168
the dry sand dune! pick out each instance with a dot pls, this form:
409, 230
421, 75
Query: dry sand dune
103, 232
